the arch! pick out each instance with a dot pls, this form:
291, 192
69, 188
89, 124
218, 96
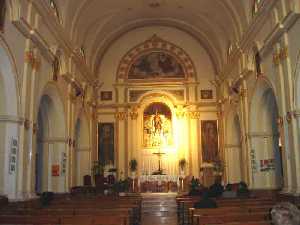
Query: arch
81, 157
152, 46
9, 127
262, 85
52, 91
234, 148
51, 143
265, 137
297, 85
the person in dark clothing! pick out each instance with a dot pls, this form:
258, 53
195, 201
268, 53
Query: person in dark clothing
216, 190
205, 202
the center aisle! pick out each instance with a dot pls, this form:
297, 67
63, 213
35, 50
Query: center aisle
159, 208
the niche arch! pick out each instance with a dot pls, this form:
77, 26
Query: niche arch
155, 48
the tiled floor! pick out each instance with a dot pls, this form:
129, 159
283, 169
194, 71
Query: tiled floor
159, 208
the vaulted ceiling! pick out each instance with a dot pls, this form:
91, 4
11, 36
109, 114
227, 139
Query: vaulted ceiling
95, 24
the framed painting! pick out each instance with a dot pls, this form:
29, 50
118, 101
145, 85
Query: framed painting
106, 149
156, 64
209, 140
106, 95
206, 94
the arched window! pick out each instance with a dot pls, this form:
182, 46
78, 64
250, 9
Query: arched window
54, 9
2, 14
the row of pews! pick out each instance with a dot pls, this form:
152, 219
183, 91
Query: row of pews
75, 210
235, 211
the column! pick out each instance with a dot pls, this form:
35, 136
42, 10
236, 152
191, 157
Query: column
10, 125
25, 130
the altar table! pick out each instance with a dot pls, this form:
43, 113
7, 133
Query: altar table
158, 183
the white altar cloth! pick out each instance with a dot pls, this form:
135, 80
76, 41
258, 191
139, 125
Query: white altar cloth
159, 178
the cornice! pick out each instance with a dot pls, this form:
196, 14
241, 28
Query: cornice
249, 35
58, 32
11, 119
165, 84
278, 30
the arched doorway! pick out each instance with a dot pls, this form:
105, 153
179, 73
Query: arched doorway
51, 156
81, 158
234, 160
9, 125
265, 139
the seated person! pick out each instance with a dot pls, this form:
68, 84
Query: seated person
243, 190
195, 187
216, 189
205, 202
229, 193
285, 213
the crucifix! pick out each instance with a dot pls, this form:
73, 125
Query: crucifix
159, 155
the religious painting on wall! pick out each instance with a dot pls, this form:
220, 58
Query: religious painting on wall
209, 140
206, 94
156, 65
157, 126
106, 143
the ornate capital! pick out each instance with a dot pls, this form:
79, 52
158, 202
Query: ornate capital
195, 115
243, 92
280, 121
220, 113
180, 113
283, 54
32, 59
289, 116
121, 115
133, 113
27, 124
276, 58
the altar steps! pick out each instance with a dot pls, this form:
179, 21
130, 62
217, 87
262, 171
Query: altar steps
159, 208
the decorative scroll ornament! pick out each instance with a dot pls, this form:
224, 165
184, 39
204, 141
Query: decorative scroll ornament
156, 58
134, 114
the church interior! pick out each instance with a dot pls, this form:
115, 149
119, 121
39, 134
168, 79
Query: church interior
129, 112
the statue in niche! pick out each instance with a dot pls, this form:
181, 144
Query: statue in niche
157, 126
157, 123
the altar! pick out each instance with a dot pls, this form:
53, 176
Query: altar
158, 183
